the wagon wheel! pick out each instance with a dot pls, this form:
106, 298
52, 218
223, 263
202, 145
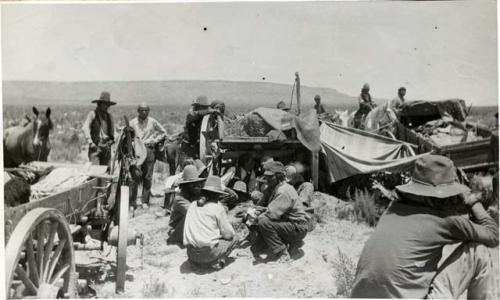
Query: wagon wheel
40, 260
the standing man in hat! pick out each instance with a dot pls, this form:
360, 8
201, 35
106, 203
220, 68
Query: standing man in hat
150, 132
284, 225
403, 257
191, 141
318, 106
190, 190
99, 130
208, 235
398, 102
365, 105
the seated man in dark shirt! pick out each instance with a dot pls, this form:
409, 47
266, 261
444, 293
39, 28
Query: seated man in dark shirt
402, 259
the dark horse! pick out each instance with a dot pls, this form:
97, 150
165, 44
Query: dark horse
168, 151
29, 142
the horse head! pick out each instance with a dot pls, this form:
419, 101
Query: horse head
42, 125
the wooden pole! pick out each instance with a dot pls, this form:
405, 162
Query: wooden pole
315, 169
121, 257
297, 81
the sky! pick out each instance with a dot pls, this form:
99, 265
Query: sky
437, 50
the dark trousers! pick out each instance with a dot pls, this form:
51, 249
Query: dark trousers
147, 179
206, 256
277, 234
100, 155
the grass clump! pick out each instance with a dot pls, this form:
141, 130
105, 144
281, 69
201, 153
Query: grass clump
154, 288
361, 207
345, 271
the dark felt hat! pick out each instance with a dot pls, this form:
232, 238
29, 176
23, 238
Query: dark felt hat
105, 97
434, 176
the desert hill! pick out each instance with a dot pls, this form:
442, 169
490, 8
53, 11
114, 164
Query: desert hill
164, 92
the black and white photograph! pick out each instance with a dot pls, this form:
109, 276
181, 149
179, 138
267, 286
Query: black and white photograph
258, 149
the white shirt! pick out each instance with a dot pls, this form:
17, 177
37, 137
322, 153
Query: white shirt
206, 225
149, 130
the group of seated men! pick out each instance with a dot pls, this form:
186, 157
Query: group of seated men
199, 211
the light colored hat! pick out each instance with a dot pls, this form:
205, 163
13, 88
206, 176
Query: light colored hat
214, 184
434, 176
240, 186
105, 97
190, 174
200, 166
282, 105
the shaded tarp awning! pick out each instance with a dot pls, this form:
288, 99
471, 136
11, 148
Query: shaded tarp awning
351, 151
306, 124
419, 112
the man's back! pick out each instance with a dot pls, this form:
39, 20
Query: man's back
400, 258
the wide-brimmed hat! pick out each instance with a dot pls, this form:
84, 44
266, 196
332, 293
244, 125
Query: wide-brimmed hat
190, 174
290, 171
240, 186
105, 97
434, 176
214, 184
282, 105
201, 101
274, 167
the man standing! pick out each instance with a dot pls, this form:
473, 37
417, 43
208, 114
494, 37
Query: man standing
365, 105
191, 141
150, 132
99, 131
398, 102
190, 190
284, 225
318, 106
402, 257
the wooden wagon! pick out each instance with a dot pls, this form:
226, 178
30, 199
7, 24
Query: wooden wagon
469, 156
43, 235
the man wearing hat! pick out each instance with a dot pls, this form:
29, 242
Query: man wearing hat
99, 130
208, 235
318, 106
403, 257
190, 190
284, 225
365, 105
282, 105
150, 132
191, 141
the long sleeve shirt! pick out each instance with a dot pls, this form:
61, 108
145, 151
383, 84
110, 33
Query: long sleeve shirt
103, 126
401, 257
148, 130
285, 204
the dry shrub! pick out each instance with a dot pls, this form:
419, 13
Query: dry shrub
154, 288
361, 207
345, 271
323, 211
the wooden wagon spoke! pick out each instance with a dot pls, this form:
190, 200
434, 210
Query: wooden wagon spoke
48, 249
26, 281
60, 273
30, 255
55, 259
40, 250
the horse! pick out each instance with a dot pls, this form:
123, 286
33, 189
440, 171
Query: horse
168, 151
379, 117
345, 118
22, 144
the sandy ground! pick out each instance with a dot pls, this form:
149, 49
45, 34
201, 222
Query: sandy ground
160, 270
165, 272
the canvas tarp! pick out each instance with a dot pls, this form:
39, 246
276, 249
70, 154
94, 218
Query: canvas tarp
351, 151
306, 124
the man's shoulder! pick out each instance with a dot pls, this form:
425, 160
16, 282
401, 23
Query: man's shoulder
286, 188
134, 121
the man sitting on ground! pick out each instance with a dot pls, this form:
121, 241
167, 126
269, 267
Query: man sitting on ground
285, 223
208, 235
401, 258
190, 190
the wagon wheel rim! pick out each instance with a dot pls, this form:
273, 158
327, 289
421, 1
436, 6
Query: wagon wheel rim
46, 273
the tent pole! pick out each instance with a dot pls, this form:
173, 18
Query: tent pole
297, 81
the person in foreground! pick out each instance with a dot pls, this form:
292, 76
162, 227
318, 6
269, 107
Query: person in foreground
284, 225
208, 235
190, 190
403, 258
